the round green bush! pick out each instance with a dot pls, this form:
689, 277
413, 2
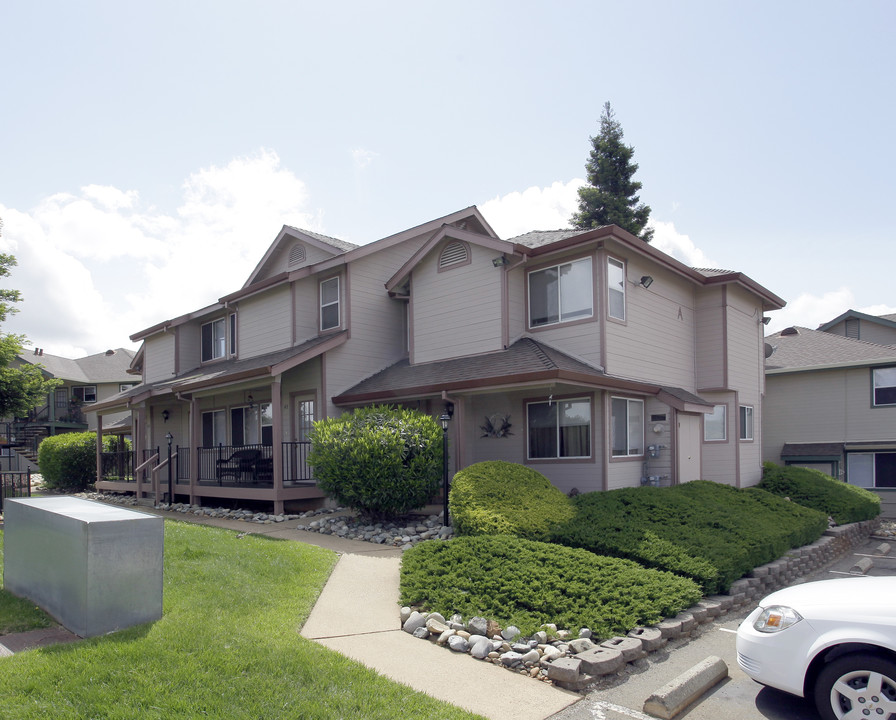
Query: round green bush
68, 461
502, 498
382, 461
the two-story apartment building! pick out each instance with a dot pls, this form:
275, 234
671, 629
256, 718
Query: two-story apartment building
589, 355
831, 401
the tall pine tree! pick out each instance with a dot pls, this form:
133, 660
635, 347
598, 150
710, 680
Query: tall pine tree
611, 197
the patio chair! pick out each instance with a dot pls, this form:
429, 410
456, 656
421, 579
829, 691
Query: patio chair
239, 463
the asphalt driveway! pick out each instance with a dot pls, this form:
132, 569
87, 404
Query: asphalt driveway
738, 696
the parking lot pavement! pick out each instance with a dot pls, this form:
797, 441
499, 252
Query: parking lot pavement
736, 697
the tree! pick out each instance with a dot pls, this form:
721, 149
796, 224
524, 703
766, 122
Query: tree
22, 385
611, 198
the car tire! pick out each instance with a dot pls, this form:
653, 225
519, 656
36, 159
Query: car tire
843, 685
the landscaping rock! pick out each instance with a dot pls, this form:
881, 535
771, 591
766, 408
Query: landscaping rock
600, 661
416, 621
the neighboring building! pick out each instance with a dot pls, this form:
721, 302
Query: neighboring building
831, 401
83, 382
589, 355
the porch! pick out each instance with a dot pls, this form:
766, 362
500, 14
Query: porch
233, 472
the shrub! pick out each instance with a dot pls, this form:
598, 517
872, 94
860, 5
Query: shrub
68, 461
527, 583
383, 461
703, 530
812, 488
501, 498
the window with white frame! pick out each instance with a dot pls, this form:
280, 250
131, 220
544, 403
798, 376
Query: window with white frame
746, 422
214, 340
214, 428
884, 386
560, 293
84, 393
714, 426
626, 427
559, 429
122, 387
616, 288
329, 304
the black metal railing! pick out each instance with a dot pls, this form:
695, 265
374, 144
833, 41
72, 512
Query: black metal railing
14, 484
236, 464
295, 462
117, 466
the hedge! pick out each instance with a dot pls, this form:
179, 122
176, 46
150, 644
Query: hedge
811, 488
68, 461
709, 532
527, 583
502, 498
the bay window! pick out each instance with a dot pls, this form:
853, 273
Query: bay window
559, 429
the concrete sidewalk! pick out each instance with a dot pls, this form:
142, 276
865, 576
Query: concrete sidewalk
357, 615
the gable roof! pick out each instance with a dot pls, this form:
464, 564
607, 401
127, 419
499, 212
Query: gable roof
885, 320
797, 349
106, 367
289, 234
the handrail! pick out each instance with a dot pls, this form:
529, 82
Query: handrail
145, 463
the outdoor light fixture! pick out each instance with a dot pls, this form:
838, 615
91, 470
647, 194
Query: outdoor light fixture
765, 320
251, 401
445, 418
646, 281
165, 416
499, 261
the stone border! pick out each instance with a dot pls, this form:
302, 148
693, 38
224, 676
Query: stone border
554, 656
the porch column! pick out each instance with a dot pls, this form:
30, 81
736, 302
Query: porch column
99, 447
195, 435
277, 432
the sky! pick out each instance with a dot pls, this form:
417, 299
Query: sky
151, 152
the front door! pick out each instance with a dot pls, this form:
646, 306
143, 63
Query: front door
689, 438
304, 413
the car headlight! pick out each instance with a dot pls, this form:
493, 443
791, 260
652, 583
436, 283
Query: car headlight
776, 618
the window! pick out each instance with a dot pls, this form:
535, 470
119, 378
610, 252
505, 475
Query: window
560, 293
62, 397
233, 334
559, 429
84, 393
122, 387
616, 288
884, 381
627, 427
329, 304
213, 340
252, 425
871, 470
714, 424
454, 253
214, 428
746, 422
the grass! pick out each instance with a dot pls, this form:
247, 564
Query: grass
227, 646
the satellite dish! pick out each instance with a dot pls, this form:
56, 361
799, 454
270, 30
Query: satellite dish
768, 350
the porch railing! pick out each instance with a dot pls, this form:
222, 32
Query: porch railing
118, 466
295, 462
14, 484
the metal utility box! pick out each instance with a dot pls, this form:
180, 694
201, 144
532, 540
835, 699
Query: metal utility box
95, 568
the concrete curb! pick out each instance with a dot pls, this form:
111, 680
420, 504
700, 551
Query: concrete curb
675, 696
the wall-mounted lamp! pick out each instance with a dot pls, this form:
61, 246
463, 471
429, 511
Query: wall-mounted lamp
499, 261
765, 320
165, 415
251, 401
646, 281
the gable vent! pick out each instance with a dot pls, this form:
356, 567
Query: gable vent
453, 254
296, 255
852, 328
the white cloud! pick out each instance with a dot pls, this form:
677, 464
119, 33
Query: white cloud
362, 158
667, 239
810, 311
96, 266
534, 209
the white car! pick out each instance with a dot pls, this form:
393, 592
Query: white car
832, 641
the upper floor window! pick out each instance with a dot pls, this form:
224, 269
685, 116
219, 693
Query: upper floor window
616, 288
122, 387
746, 422
84, 393
627, 427
454, 253
215, 337
714, 425
560, 293
329, 304
559, 429
884, 386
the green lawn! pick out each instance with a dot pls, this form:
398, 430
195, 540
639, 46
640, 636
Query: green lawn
227, 646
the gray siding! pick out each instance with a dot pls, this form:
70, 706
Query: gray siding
158, 360
264, 323
710, 327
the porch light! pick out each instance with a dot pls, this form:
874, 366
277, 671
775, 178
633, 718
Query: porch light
499, 261
646, 281
445, 418
165, 415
